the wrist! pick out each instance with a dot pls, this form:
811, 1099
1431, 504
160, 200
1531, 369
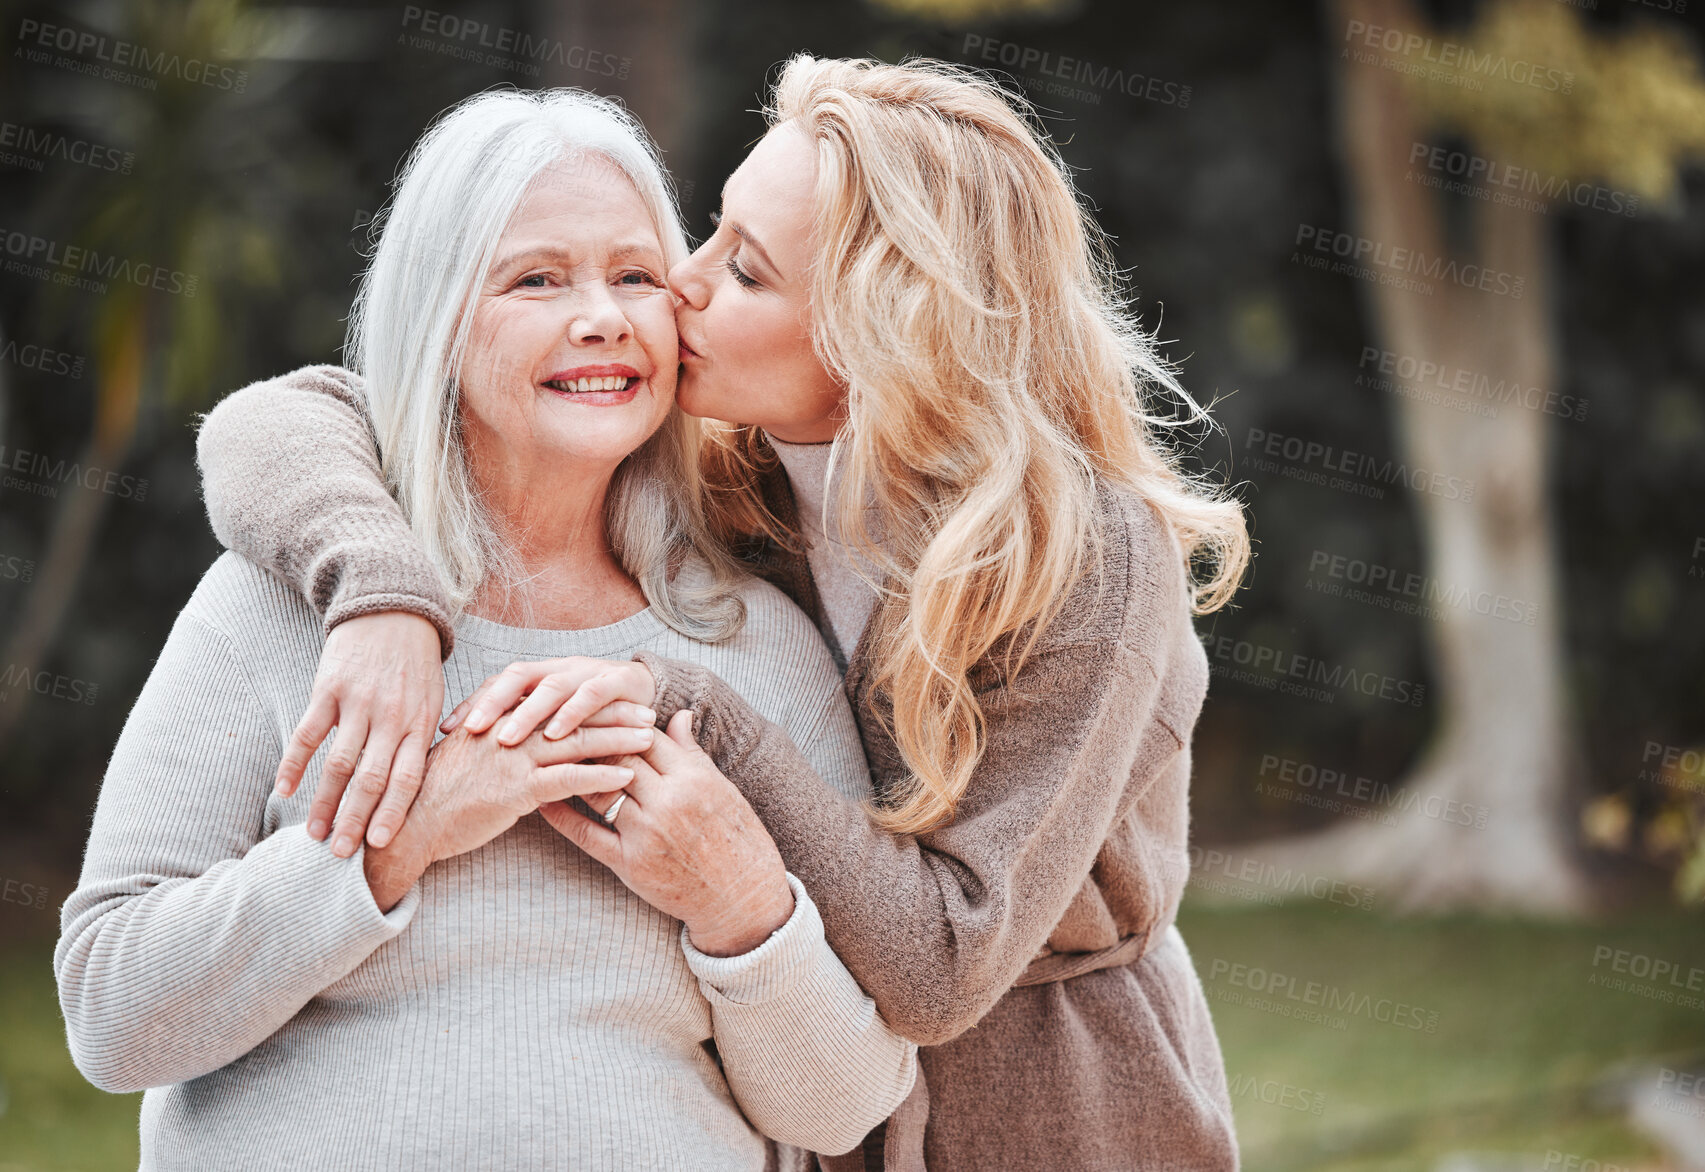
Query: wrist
740, 929
393, 869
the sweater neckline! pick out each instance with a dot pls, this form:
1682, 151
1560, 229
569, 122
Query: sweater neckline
594, 642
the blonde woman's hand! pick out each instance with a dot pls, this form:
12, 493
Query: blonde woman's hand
685, 841
379, 684
561, 695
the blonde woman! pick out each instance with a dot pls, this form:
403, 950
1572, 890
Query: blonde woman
938, 444
478, 993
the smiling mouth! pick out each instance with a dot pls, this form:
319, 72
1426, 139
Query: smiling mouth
587, 386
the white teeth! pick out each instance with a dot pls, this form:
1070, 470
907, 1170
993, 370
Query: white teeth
611, 382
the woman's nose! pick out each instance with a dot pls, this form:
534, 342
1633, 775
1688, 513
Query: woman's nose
686, 282
598, 318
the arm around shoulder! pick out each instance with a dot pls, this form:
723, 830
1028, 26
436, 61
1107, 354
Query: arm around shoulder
291, 476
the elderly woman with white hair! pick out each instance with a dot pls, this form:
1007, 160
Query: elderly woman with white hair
479, 992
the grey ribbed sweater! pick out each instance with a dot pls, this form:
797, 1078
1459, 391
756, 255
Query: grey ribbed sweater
519, 1008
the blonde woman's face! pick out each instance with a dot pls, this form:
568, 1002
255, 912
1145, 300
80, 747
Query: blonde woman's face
572, 352
745, 310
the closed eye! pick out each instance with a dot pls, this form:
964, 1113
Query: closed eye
739, 274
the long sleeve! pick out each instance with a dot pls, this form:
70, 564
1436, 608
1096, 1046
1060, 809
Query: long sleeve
190, 937
290, 473
806, 1054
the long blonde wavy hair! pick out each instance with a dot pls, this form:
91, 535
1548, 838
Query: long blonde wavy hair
994, 372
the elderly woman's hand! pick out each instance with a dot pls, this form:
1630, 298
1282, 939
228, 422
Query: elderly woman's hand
476, 789
566, 692
685, 841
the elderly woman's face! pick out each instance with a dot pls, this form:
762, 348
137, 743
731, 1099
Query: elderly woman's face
572, 353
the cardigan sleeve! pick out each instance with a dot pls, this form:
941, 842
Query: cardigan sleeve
192, 937
936, 927
291, 476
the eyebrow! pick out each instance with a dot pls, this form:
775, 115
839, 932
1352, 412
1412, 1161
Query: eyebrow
551, 252
752, 240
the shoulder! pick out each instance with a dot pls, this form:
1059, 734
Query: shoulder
1135, 586
261, 618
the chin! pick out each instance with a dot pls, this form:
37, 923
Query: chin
692, 397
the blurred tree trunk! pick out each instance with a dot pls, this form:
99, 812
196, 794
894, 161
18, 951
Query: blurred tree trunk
81, 509
1502, 739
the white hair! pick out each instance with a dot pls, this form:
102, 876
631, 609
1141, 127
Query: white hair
409, 328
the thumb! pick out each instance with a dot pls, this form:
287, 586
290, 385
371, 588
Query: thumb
681, 729
669, 753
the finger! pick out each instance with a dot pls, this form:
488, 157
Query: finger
553, 783
366, 788
646, 780
603, 803
587, 743
546, 697
618, 712
502, 692
594, 838
408, 772
305, 741
593, 694
668, 753
340, 763
457, 715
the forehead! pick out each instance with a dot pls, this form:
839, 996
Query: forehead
584, 201
780, 175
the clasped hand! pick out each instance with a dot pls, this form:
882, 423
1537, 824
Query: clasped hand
684, 839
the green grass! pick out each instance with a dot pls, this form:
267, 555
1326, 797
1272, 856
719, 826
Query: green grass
1524, 1058
53, 1120
1518, 1063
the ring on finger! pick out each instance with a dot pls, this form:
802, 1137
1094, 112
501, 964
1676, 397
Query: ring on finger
610, 814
